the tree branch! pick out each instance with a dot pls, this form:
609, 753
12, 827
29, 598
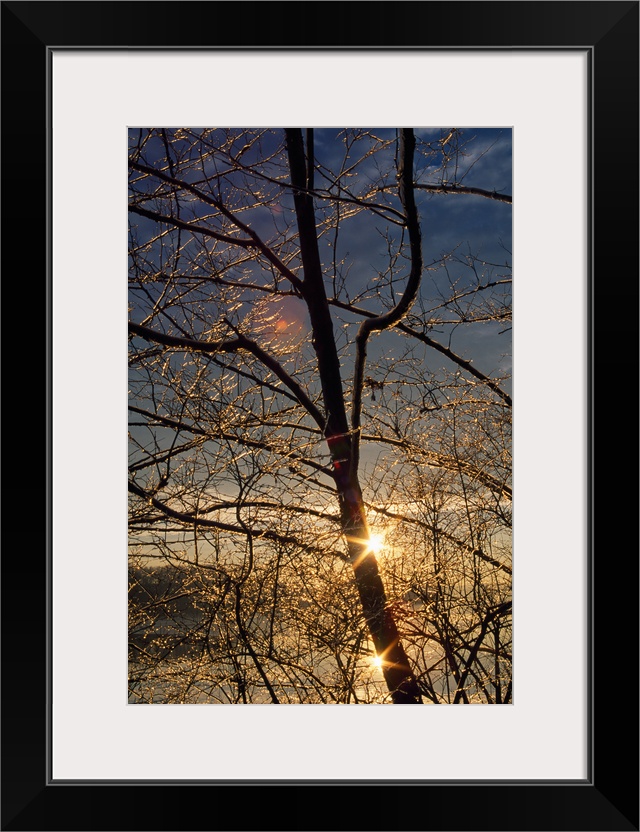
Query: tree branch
190, 226
393, 316
495, 612
254, 240
464, 189
420, 336
240, 439
191, 519
241, 342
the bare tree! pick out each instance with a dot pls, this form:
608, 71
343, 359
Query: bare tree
283, 404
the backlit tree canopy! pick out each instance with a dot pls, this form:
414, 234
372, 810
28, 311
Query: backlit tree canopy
320, 414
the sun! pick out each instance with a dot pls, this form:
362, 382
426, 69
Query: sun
371, 545
375, 543
376, 661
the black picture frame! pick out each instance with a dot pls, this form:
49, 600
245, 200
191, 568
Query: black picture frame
608, 799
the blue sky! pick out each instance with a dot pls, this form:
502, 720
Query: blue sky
466, 238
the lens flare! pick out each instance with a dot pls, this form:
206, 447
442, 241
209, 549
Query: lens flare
375, 543
371, 545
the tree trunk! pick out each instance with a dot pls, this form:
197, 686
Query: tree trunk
384, 633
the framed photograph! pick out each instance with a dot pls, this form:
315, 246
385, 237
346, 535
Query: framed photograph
200, 119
